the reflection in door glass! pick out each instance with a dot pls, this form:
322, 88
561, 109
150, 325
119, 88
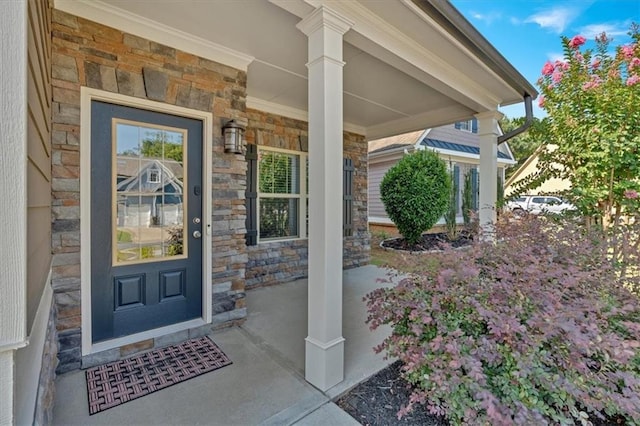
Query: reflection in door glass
149, 210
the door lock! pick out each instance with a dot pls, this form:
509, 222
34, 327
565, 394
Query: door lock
197, 234
196, 220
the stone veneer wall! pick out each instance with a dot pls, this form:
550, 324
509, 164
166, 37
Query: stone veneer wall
89, 54
275, 262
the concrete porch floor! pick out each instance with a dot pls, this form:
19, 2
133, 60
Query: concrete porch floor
265, 384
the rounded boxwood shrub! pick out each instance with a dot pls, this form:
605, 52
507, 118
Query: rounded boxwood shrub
415, 193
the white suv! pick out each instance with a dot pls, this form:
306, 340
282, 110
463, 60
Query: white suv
537, 204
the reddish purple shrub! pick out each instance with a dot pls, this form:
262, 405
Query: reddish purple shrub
537, 328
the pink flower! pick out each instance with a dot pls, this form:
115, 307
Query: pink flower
602, 38
596, 64
635, 63
556, 76
541, 101
593, 83
631, 194
562, 65
548, 68
627, 51
579, 57
634, 79
577, 41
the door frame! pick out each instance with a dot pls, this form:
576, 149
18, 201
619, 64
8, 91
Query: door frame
87, 95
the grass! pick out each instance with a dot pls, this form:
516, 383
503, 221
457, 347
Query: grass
402, 262
124, 237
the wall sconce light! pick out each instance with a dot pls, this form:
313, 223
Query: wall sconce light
233, 132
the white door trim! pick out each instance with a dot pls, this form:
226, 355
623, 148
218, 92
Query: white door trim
86, 96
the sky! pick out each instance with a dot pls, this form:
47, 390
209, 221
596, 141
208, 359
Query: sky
527, 32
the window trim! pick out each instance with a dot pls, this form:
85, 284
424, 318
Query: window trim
302, 196
468, 123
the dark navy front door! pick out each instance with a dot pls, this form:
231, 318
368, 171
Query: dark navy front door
146, 210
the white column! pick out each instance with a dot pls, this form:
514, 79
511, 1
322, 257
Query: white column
324, 355
488, 133
13, 192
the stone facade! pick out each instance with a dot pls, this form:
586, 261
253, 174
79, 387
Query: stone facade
279, 261
89, 54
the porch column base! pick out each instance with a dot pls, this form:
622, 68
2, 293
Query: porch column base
324, 365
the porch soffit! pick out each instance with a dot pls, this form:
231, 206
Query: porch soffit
402, 71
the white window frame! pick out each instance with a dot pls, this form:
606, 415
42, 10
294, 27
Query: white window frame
466, 126
151, 173
301, 197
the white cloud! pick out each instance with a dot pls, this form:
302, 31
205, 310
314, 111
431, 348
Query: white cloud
487, 18
611, 29
556, 19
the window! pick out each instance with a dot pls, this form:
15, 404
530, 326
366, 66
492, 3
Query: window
277, 199
153, 176
282, 194
470, 126
465, 125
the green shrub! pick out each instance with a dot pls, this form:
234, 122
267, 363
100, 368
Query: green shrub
467, 199
536, 328
451, 215
415, 193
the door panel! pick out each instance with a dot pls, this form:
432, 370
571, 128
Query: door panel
146, 206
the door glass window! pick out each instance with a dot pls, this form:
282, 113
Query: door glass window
149, 200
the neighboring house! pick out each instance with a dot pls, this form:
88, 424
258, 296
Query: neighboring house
84, 82
530, 168
149, 191
457, 144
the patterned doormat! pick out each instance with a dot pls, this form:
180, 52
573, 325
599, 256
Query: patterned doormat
112, 384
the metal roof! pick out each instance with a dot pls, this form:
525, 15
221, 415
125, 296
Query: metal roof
458, 147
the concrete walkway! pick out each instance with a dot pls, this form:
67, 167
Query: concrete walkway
265, 384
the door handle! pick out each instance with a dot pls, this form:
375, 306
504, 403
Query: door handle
197, 234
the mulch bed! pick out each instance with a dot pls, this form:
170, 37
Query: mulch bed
428, 242
377, 401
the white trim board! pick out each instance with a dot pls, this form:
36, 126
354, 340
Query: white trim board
112, 16
28, 360
86, 96
295, 113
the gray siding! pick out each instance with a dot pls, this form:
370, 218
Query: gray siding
451, 134
39, 153
376, 173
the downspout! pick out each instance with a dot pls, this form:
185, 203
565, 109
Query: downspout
528, 108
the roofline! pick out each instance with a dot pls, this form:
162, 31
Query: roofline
448, 17
388, 152
524, 165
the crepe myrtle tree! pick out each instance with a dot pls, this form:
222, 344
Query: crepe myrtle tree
592, 99
415, 193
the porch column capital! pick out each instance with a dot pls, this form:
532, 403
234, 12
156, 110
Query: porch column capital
324, 17
488, 132
489, 115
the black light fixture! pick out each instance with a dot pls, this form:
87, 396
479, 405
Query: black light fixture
233, 132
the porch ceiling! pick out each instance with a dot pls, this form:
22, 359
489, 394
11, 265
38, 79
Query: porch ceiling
403, 71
